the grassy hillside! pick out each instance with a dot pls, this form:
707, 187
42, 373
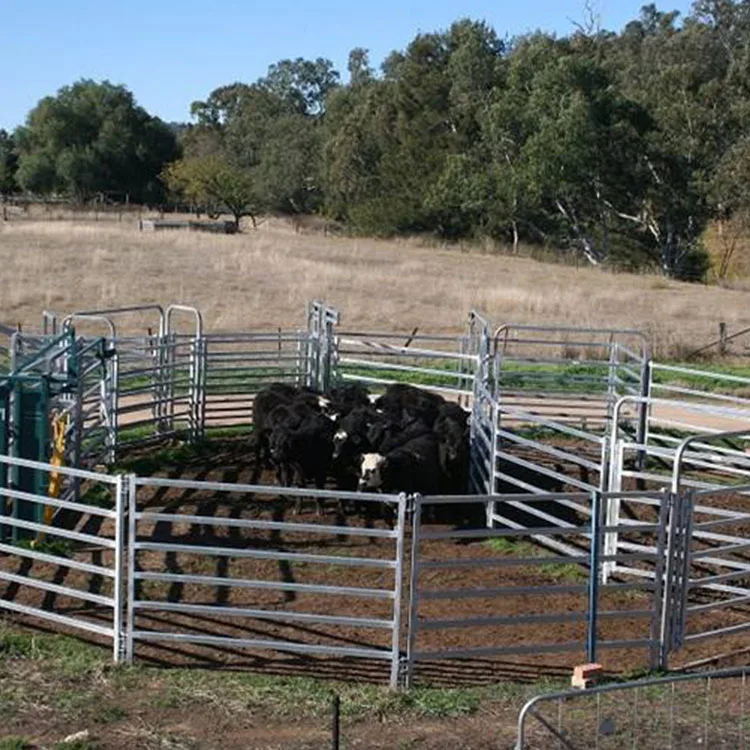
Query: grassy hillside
265, 277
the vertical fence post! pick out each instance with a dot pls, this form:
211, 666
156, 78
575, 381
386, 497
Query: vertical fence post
131, 568
397, 592
613, 453
594, 563
644, 408
665, 631
614, 362
723, 339
412, 625
122, 498
336, 721
659, 595
109, 401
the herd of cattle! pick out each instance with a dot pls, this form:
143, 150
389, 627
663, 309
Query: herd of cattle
405, 440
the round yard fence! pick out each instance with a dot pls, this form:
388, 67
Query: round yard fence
604, 518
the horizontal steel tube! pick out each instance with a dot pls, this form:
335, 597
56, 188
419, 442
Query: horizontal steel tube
187, 484
386, 366
537, 419
382, 381
97, 541
731, 630
56, 503
551, 619
503, 562
471, 653
227, 641
55, 588
65, 470
44, 614
356, 562
220, 581
262, 614
549, 450
243, 523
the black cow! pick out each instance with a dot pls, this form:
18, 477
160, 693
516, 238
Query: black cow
401, 399
412, 467
346, 398
301, 448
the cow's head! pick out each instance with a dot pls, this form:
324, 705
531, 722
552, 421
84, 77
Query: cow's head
370, 478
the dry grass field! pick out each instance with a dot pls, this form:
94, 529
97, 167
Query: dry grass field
265, 277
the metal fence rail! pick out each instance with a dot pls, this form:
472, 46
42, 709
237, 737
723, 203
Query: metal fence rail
436, 362
222, 543
51, 582
596, 615
556, 390
237, 366
689, 712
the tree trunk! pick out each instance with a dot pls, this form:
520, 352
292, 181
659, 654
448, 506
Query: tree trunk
515, 237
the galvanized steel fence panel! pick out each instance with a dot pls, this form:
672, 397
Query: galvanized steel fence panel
52, 569
217, 541
592, 620
236, 366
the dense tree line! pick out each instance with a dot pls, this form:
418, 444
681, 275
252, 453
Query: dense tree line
618, 147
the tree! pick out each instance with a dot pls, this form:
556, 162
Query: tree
92, 138
212, 182
8, 168
302, 84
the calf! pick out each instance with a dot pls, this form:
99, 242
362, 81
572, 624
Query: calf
412, 467
301, 450
401, 400
347, 398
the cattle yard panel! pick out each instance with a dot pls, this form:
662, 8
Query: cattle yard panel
50, 581
86, 411
237, 366
716, 561
584, 409
593, 616
436, 362
555, 392
681, 452
237, 568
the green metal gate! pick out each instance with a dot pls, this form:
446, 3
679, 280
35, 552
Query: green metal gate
26, 397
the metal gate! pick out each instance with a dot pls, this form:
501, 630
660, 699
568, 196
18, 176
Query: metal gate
73, 573
494, 583
250, 580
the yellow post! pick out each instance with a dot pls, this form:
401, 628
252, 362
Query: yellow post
59, 427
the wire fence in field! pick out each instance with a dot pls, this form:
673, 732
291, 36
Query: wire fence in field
682, 712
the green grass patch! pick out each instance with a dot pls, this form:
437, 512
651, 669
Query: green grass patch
508, 545
555, 572
55, 547
15, 743
66, 654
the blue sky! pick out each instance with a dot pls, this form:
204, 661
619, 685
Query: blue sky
170, 53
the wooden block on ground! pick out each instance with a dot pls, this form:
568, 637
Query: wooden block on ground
585, 675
